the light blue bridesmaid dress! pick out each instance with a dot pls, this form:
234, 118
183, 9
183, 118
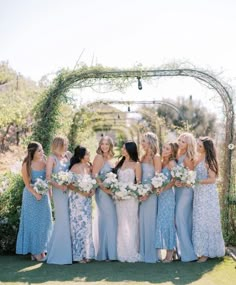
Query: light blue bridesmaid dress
207, 234
184, 220
106, 223
35, 221
165, 231
147, 219
60, 249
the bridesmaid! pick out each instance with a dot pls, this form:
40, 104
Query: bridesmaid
151, 164
80, 208
207, 234
165, 231
106, 220
184, 199
36, 219
59, 251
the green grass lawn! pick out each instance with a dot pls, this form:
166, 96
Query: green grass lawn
21, 270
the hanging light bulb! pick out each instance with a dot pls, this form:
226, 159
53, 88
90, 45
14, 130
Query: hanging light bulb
140, 87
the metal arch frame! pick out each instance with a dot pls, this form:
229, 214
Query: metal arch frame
210, 80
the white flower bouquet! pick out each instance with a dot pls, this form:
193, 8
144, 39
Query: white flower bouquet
63, 177
41, 186
84, 183
143, 190
124, 191
159, 180
184, 175
111, 181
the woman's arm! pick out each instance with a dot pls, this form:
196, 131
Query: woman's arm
138, 173
26, 180
97, 165
157, 163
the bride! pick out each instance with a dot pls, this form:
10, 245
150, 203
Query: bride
129, 171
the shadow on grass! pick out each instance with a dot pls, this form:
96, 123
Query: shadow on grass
21, 269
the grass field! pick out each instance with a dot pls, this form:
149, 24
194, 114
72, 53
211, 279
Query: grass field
19, 270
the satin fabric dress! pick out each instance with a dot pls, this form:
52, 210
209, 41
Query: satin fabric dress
184, 221
147, 219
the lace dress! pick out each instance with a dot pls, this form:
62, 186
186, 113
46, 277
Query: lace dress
127, 216
207, 233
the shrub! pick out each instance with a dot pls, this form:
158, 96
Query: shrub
11, 189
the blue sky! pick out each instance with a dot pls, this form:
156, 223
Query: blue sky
39, 37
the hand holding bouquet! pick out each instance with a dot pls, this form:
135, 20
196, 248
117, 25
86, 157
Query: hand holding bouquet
159, 181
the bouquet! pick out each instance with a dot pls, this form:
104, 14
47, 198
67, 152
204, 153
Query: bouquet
184, 175
159, 180
41, 186
111, 181
63, 177
85, 183
143, 189
124, 191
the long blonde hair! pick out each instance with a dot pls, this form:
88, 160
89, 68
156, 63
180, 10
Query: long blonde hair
58, 144
192, 145
153, 142
111, 145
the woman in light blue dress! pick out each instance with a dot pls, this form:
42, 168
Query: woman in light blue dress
207, 234
36, 219
165, 229
59, 249
105, 232
184, 200
80, 208
151, 164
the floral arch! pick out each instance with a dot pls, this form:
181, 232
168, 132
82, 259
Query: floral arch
47, 110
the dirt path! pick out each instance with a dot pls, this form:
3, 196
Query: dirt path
12, 158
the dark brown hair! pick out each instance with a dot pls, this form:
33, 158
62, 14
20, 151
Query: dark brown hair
31, 149
211, 157
174, 150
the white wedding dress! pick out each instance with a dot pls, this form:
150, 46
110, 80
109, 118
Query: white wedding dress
127, 216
